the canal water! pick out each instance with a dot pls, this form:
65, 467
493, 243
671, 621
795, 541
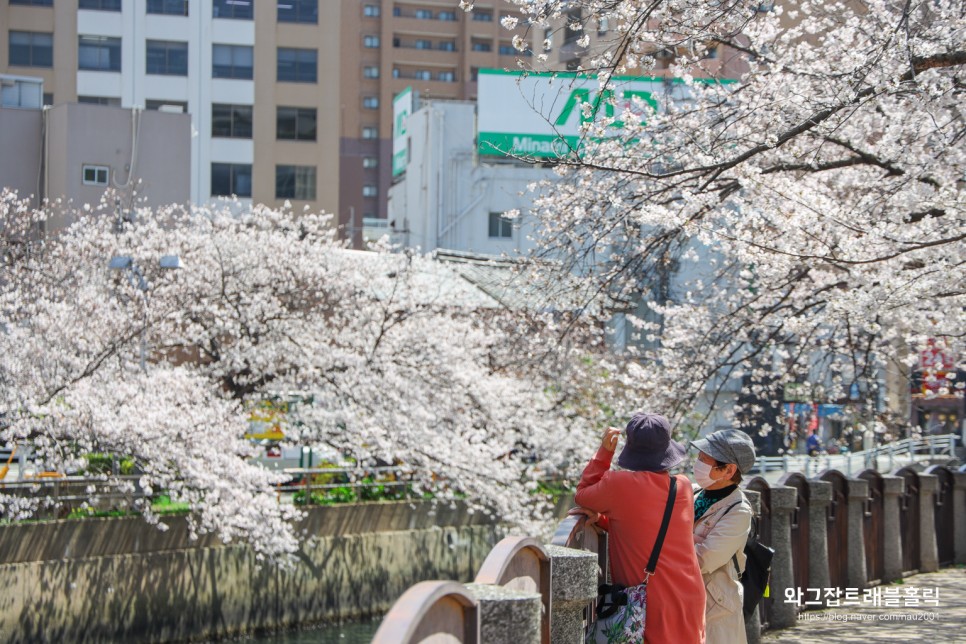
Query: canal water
356, 633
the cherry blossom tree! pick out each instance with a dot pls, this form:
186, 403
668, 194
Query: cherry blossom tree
404, 362
805, 223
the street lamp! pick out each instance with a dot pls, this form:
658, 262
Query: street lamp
136, 277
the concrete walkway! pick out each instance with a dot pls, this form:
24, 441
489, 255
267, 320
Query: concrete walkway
903, 622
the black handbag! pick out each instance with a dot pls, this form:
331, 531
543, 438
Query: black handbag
757, 572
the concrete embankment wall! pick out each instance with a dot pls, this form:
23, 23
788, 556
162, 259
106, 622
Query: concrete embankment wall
121, 580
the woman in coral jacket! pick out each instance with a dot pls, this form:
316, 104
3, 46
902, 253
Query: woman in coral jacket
631, 502
722, 519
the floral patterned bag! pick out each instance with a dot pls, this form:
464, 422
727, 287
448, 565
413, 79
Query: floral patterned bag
621, 610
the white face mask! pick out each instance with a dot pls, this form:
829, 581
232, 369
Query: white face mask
702, 474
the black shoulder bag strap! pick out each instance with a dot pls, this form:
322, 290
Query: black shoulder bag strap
665, 522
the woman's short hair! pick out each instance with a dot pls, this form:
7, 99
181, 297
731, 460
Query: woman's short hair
736, 479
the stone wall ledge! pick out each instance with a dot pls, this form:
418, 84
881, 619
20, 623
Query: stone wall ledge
109, 536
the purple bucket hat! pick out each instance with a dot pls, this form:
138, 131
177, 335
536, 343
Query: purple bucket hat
649, 447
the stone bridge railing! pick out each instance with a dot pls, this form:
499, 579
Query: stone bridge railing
829, 531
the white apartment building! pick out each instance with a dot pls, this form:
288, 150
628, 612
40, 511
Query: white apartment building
451, 199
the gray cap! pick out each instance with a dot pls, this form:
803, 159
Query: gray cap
729, 446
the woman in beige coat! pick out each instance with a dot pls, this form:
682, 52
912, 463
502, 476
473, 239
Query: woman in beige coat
722, 519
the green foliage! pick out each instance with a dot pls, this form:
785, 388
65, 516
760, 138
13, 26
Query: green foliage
98, 463
164, 505
88, 513
554, 489
368, 488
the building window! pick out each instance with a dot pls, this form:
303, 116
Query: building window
422, 74
305, 11
229, 179
100, 5
168, 7
231, 121
370, 102
509, 50
424, 14
447, 45
99, 100
446, 16
34, 3
370, 162
370, 71
295, 182
369, 190
162, 105
500, 226
167, 58
231, 61
424, 44
446, 77
371, 10
237, 9
474, 74
712, 52
482, 15
94, 175
31, 49
370, 132
99, 53
297, 65
482, 45
295, 123
48, 99
370, 42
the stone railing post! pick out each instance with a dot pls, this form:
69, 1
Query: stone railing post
928, 548
753, 623
819, 498
783, 501
857, 576
507, 615
573, 586
959, 516
892, 489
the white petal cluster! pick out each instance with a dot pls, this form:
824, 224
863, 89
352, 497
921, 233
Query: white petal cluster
392, 362
806, 223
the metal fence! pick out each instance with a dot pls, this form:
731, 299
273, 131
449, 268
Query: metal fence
885, 458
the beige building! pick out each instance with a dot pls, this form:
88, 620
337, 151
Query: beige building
71, 153
256, 77
437, 50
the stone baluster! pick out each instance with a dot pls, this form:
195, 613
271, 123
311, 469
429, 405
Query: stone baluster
959, 516
928, 548
892, 489
507, 615
857, 575
573, 586
819, 498
783, 502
